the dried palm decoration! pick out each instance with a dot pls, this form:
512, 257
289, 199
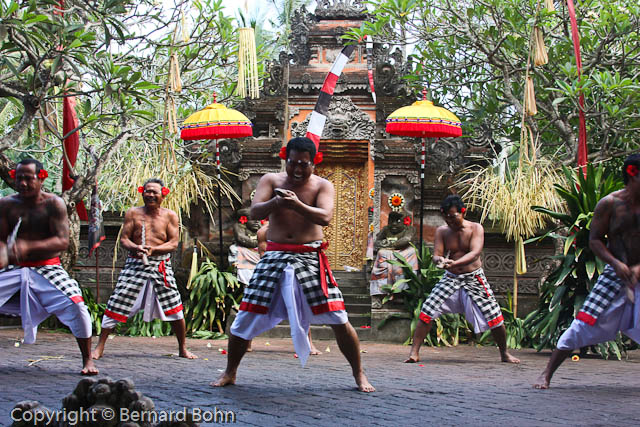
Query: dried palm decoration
530, 98
540, 56
174, 73
549, 5
506, 195
248, 84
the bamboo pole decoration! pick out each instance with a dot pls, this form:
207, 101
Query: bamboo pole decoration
248, 84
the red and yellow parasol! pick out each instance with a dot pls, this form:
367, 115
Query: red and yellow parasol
423, 120
215, 122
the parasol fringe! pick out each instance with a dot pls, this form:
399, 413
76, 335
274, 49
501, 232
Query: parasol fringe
530, 104
549, 5
248, 84
540, 50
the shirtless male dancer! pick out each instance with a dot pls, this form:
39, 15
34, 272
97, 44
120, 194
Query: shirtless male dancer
34, 231
290, 277
610, 306
150, 233
464, 287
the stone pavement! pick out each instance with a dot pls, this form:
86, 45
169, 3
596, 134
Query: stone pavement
456, 386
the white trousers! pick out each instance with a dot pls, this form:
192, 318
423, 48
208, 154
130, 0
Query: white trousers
289, 303
38, 300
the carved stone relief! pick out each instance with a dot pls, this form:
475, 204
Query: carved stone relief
340, 9
299, 37
344, 121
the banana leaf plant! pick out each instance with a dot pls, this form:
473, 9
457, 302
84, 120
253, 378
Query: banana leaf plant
564, 291
212, 294
414, 289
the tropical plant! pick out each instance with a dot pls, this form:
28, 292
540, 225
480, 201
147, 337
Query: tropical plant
133, 67
414, 289
137, 327
566, 288
474, 56
212, 295
517, 336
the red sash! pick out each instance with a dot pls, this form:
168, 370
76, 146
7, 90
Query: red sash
40, 263
325, 269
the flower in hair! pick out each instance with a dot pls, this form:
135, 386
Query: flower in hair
463, 210
407, 220
43, 174
283, 153
165, 191
243, 219
141, 189
318, 158
632, 170
12, 173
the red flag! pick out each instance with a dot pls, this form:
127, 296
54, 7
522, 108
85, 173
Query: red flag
71, 146
582, 129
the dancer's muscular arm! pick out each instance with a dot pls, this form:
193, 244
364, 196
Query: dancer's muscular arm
126, 237
320, 214
264, 202
598, 241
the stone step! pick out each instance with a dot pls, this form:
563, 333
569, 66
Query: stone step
358, 308
356, 299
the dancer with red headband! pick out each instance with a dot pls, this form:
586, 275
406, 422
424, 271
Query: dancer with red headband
34, 231
613, 305
150, 233
464, 287
293, 280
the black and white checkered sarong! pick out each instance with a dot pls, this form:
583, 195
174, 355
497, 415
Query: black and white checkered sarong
134, 276
600, 297
477, 287
266, 276
58, 277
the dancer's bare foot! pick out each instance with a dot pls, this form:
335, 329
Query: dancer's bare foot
89, 368
225, 379
314, 350
363, 383
542, 383
507, 358
187, 354
97, 353
413, 358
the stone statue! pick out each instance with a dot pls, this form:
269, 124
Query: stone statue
395, 237
243, 254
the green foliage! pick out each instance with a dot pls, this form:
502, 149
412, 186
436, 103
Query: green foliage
449, 327
96, 310
566, 288
137, 327
473, 57
517, 336
212, 295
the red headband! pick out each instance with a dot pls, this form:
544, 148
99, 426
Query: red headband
43, 174
316, 159
165, 190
